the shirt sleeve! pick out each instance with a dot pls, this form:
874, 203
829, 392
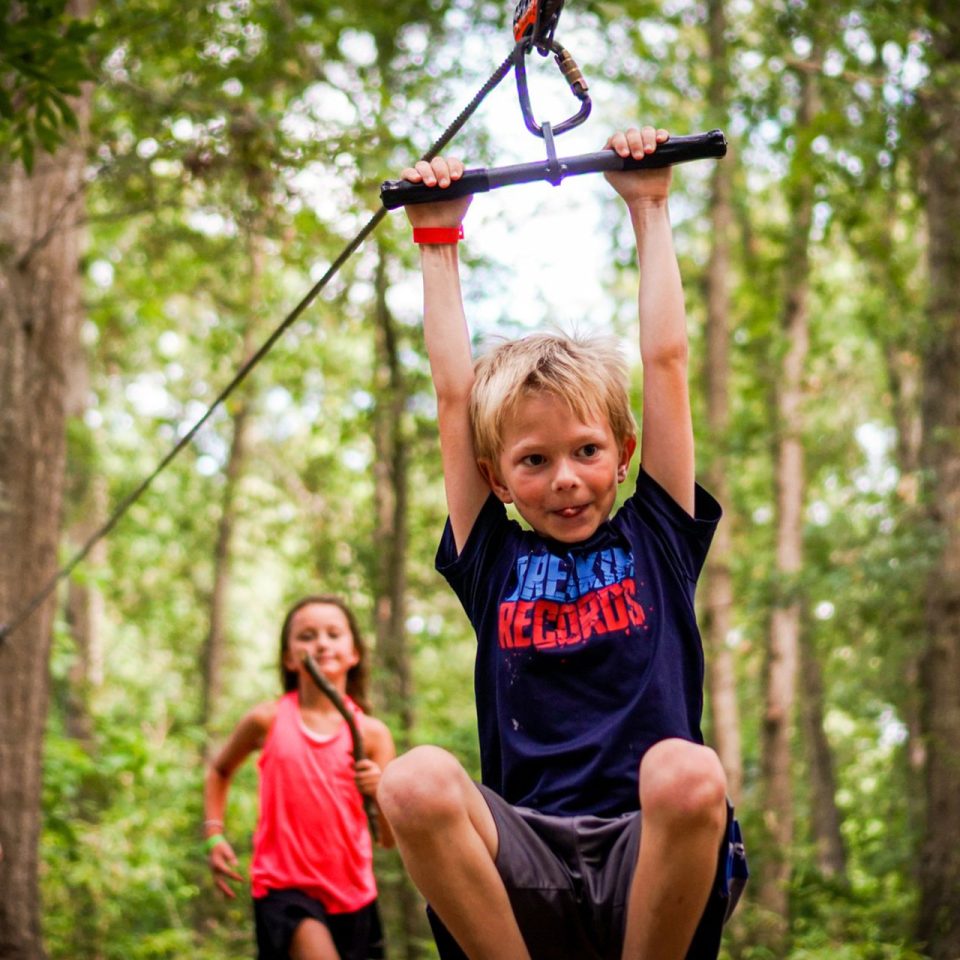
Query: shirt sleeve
472, 573
685, 539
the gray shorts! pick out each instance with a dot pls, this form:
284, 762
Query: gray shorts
569, 878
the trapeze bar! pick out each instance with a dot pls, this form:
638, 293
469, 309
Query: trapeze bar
698, 146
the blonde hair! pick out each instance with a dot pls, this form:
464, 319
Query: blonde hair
587, 373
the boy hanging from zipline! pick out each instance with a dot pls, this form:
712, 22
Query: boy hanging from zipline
601, 828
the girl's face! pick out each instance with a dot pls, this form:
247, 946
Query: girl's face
323, 631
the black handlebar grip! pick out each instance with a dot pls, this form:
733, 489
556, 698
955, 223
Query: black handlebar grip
696, 146
398, 193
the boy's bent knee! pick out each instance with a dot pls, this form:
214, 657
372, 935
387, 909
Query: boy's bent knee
683, 783
422, 787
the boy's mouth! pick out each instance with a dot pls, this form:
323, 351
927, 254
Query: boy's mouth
568, 513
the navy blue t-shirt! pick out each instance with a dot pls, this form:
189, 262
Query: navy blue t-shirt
588, 653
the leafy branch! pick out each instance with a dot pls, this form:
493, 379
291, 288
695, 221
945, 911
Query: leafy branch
43, 62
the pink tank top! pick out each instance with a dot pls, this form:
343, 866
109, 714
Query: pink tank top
312, 832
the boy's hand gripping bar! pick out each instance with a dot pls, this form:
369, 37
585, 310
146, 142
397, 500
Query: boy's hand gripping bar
698, 146
334, 697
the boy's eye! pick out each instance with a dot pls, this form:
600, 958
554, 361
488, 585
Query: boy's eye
534, 460
589, 450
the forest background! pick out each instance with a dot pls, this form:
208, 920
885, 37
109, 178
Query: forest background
175, 177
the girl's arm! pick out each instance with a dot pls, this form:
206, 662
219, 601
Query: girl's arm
248, 736
379, 748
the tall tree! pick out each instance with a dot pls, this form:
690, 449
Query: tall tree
784, 635
939, 917
718, 602
392, 499
40, 310
215, 647
86, 511
830, 850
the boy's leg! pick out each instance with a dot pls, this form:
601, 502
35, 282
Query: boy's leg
448, 841
683, 800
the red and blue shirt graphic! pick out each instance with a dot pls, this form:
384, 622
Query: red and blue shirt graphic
588, 653
564, 601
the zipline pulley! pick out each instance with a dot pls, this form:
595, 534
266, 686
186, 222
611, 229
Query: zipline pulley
536, 21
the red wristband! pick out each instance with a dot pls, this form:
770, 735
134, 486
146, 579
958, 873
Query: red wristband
438, 234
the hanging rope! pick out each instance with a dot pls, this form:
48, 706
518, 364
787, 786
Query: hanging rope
30, 607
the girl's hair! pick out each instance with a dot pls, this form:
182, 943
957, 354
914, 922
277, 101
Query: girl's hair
587, 373
357, 676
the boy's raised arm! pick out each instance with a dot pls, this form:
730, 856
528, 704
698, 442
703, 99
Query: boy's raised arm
448, 346
666, 444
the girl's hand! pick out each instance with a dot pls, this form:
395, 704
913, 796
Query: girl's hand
222, 861
439, 172
638, 186
367, 776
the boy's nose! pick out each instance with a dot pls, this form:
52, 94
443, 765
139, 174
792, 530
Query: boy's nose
564, 476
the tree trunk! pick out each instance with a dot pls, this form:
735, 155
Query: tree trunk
215, 647
391, 479
87, 503
391, 527
784, 630
40, 308
718, 586
939, 913
85, 615
831, 852
900, 343
904, 372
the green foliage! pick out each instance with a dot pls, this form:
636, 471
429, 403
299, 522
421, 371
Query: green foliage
43, 62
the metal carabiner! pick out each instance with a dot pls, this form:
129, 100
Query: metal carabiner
573, 76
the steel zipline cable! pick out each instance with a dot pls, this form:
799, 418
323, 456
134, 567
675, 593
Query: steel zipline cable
30, 607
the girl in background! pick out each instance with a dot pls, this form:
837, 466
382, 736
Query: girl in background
314, 893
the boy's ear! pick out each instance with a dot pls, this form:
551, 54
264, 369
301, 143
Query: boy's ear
490, 474
626, 455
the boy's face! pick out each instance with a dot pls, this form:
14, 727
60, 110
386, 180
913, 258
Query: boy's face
561, 473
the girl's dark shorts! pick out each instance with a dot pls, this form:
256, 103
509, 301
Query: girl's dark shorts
357, 936
569, 878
